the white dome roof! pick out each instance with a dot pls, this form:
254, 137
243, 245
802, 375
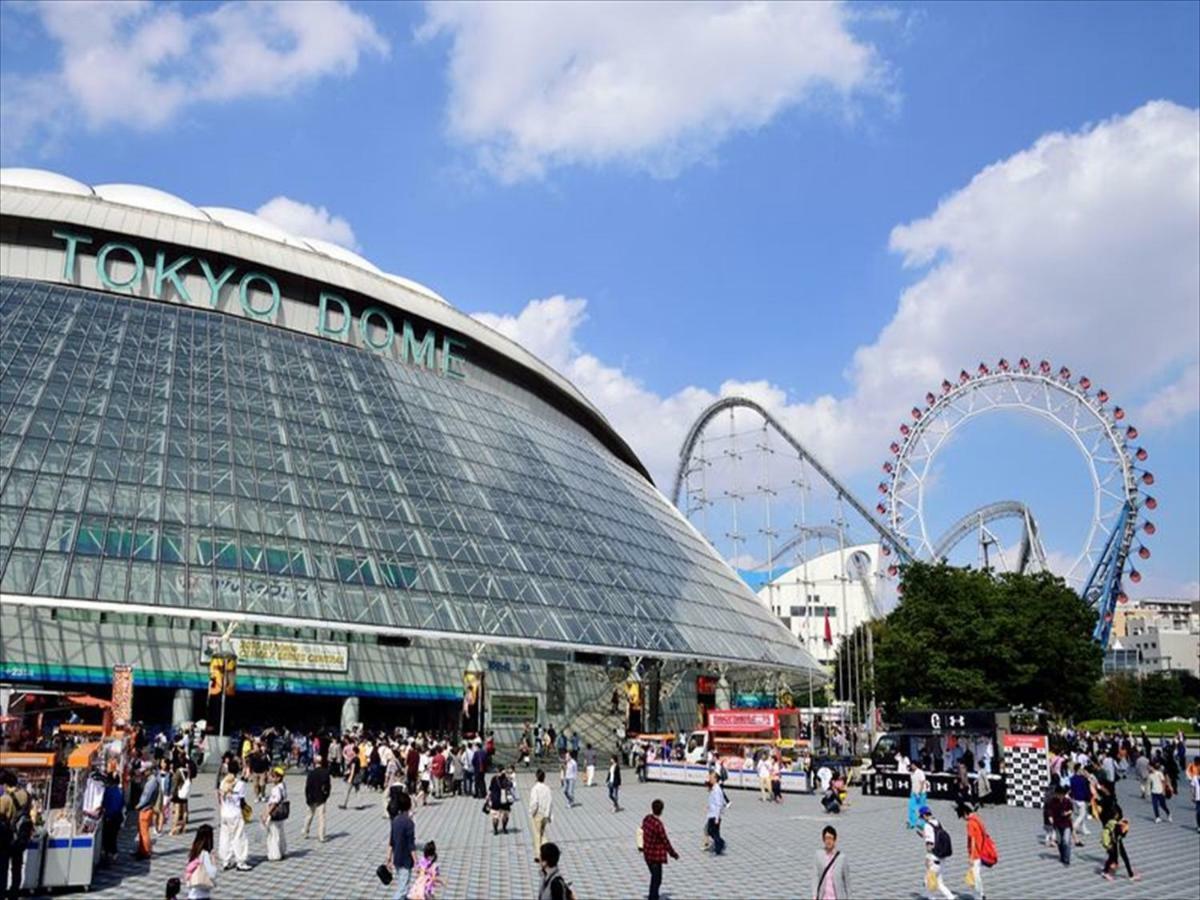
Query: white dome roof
252, 224
341, 254
149, 198
142, 197
41, 180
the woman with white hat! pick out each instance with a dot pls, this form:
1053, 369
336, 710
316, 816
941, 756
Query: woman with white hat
278, 809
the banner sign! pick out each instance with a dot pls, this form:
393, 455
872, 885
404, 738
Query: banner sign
949, 720
272, 653
740, 720
1025, 741
122, 694
514, 709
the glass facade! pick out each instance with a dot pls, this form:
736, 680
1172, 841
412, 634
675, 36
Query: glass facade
171, 456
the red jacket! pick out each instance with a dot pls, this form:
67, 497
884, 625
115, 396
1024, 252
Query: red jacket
656, 846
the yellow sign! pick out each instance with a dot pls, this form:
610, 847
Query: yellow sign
272, 653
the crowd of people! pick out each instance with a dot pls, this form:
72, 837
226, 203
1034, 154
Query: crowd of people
397, 772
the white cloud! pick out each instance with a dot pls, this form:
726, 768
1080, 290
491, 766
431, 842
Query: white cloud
304, 220
1081, 249
655, 85
1174, 402
137, 65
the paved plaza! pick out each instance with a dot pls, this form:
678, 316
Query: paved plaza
768, 855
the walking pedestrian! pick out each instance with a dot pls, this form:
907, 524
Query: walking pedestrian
776, 776
541, 802
233, 848
589, 760
981, 849
354, 777
402, 845
937, 850
831, 871
554, 886
427, 875
717, 801
500, 801
614, 782
917, 796
571, 776
1112, 839
1193, 772
200, 873
1081, 798
277, 812
655, 846
317, 787
1061, 816
1158, 791
764, 778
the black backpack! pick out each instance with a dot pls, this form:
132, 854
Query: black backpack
942, 848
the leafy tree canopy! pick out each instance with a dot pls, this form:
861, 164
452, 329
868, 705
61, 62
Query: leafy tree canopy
969, 638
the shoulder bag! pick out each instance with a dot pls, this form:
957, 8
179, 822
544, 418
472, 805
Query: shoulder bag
828, 866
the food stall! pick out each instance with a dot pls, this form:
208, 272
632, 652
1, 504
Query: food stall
65, 778
729, 734
72, 831
943, 737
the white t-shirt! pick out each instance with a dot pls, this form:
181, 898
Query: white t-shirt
423, 765
572, 768
764, 768
278, 793
1157, 782
901, 762
824, 776
231, 803
918, 780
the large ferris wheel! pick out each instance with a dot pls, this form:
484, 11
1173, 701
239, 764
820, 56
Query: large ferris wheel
1098, 430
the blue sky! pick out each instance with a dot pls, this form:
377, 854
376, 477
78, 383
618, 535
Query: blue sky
669, 203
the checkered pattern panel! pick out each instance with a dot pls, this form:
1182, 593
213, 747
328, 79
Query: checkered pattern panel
1027, 770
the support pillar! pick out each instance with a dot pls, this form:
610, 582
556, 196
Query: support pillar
183, 708
350, 714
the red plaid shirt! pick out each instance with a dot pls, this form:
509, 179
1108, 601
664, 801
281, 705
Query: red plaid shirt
655, 843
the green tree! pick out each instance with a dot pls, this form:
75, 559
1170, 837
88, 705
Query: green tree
963, 637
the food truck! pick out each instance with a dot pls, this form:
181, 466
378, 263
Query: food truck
940, 739
728, 735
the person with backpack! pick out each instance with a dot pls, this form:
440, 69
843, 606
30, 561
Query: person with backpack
937, 850
278, 810
16, 831
655, 846
1112, 839
831, 871
554, 885
981, 850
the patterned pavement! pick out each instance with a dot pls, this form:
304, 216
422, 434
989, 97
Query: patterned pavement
769, 850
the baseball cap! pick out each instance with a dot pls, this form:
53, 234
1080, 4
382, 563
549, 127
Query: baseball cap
925, 811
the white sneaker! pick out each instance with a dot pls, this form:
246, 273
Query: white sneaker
1157, 820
